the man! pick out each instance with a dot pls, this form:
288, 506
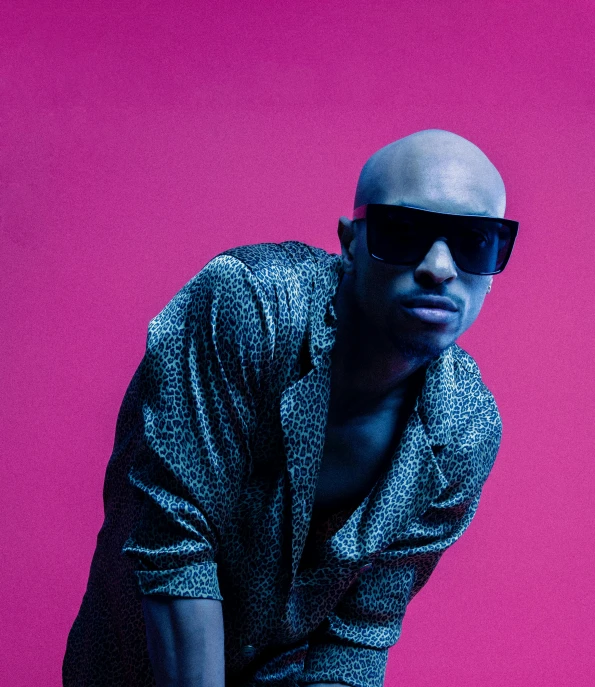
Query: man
301, 442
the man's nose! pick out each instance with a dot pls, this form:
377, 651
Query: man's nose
438, 263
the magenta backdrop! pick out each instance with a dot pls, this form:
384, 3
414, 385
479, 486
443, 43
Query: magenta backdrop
139, 139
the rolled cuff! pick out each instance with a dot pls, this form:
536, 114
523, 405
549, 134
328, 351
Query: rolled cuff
197, 581
351, 665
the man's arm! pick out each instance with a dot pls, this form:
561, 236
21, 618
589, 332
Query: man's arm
185, 641
200, 384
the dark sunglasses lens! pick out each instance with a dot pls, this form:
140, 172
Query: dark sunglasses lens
480, 247
397, 240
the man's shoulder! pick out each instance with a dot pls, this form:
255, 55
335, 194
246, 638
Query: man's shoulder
264, 267
286, 252
286, 273
279, 261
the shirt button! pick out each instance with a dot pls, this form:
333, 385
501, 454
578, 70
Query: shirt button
368, 566
248, 651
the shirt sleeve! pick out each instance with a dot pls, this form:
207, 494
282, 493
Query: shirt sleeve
201, 377
351, 646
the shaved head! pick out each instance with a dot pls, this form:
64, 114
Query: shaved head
433, 170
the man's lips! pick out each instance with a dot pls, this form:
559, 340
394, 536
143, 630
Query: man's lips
432, 309
432, 302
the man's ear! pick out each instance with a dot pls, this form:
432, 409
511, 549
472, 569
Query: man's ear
347, 233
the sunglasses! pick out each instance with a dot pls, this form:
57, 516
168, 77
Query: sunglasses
400, 235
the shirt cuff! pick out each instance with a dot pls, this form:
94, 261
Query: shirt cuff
351, 665
198, 581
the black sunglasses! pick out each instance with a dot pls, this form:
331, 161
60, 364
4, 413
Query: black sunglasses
401, 235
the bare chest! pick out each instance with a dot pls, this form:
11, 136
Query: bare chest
355, 454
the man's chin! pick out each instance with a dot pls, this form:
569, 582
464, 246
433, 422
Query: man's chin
419, 348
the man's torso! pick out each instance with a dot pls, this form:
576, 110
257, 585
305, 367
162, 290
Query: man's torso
266, 528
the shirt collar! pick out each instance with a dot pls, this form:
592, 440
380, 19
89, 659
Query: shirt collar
434, 404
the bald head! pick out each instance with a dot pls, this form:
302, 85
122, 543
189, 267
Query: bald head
433, 170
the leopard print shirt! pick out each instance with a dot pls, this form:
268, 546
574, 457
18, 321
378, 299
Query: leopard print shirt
210, 487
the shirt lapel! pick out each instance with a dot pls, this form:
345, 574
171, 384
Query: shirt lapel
304, 407
304, 404
413, 478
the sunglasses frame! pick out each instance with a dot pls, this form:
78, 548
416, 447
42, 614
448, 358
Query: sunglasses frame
362, 211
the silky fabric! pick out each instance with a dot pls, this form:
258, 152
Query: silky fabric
210, 488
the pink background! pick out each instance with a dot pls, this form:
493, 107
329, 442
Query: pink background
139, 139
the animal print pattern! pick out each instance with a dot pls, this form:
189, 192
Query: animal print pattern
210, 487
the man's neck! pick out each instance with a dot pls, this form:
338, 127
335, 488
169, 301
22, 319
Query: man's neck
367, 372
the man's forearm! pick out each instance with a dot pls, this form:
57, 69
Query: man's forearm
185, 641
